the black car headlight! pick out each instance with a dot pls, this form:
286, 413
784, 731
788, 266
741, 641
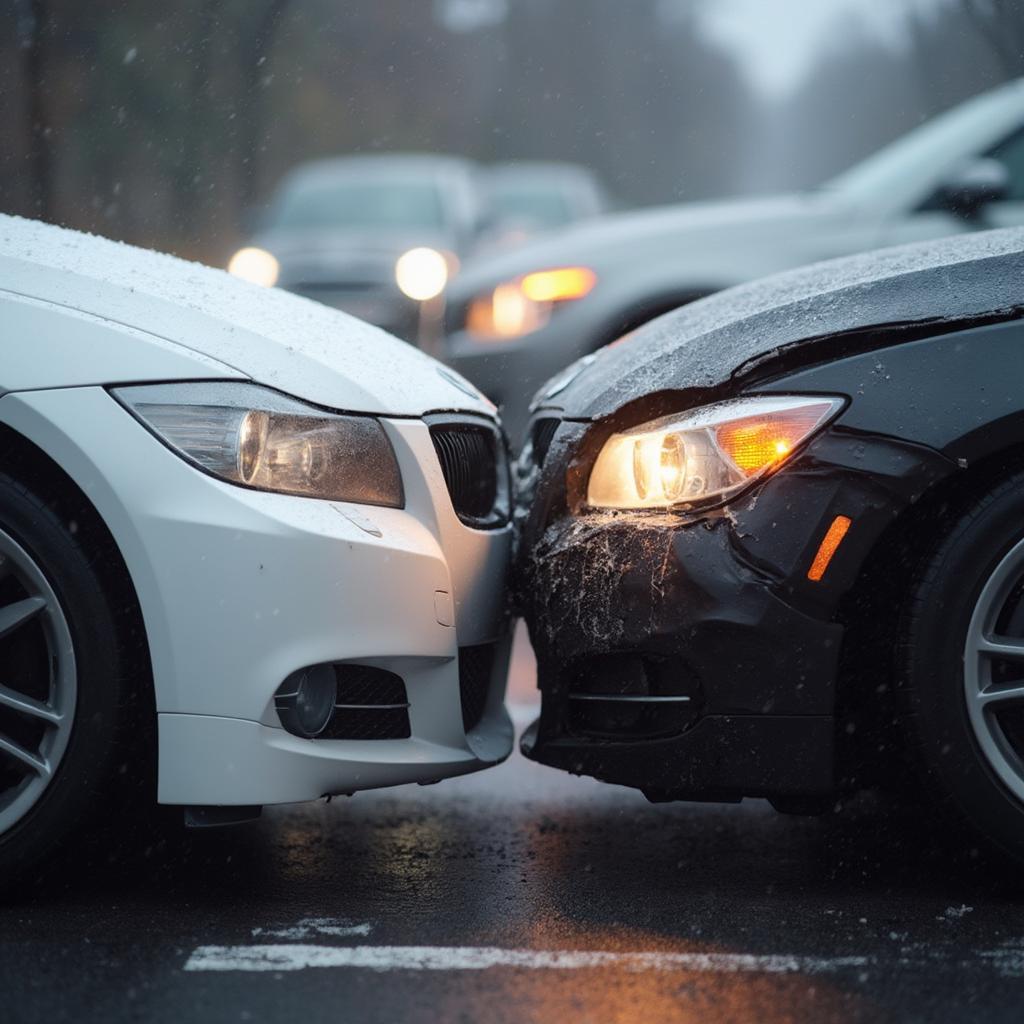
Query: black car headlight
255, 437
705, 455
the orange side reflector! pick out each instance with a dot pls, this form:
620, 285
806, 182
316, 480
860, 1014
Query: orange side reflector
828, 547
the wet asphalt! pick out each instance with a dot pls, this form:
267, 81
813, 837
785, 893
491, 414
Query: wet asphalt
402, 898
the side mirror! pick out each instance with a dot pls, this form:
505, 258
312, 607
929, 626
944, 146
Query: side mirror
971, 187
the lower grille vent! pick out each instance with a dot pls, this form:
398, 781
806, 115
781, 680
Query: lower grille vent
372, 704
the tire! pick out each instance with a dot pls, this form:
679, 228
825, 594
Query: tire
971, 757
67, 654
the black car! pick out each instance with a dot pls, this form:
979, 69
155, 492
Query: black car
772, 543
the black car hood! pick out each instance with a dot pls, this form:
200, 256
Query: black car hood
704, 345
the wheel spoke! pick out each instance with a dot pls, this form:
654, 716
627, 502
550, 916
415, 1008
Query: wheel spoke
37, 701
14, 615
1004, 648
993, 695
28, 706
33, 761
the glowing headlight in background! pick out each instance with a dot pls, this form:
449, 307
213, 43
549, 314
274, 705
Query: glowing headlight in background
421, 274
517, 308
255, 265
705, 454
558, 285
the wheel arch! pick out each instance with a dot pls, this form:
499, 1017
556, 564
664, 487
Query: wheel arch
31, 465
868, 698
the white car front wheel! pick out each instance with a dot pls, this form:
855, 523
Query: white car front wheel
64, 701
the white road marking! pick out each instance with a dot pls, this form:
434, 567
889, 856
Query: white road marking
310, 926
283, 957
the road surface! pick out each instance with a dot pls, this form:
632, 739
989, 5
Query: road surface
518, 895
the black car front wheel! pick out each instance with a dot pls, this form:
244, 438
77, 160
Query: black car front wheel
963, 665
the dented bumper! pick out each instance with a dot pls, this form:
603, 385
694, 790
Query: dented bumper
691, 656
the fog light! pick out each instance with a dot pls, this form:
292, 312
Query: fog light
305, 700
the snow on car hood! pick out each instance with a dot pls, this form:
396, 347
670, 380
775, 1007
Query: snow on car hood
289, 343
704, 344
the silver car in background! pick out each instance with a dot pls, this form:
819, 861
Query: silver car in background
527, 197
376, 236
516, 318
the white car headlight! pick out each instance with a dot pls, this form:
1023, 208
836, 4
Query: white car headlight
520, 307
255, 437
705, 455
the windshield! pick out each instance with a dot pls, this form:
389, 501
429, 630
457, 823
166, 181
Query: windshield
537, 205
936, 143
360, 204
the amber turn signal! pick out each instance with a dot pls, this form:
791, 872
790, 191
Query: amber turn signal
755, 444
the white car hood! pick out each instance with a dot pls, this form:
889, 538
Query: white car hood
289, 343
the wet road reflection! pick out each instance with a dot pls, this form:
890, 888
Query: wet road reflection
853, 917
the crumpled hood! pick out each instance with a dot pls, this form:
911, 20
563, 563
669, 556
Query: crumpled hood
705, 344
275, 338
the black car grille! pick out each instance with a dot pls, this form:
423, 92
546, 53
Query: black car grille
542, 433
476, 666
372, 704
475, 468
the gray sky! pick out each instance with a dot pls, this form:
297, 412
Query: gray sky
776, 40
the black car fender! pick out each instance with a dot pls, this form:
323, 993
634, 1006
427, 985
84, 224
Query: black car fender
961, 394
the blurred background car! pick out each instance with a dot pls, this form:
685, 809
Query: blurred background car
515, 318
773, 543
530, 197
375, 236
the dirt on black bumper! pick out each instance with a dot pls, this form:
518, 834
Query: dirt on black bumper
691, 657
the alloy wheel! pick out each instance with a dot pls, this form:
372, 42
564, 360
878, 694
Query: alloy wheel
38, 682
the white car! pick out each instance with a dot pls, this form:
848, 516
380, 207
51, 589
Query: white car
248, 545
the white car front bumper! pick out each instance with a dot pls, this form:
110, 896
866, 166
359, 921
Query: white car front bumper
240, 588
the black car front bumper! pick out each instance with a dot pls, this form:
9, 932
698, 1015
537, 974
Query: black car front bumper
691, 656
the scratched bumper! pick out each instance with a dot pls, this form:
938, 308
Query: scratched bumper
691, 657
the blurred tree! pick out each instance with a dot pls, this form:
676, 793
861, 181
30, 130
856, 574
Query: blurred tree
33, 31
866, 89
161, 125
255, 40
